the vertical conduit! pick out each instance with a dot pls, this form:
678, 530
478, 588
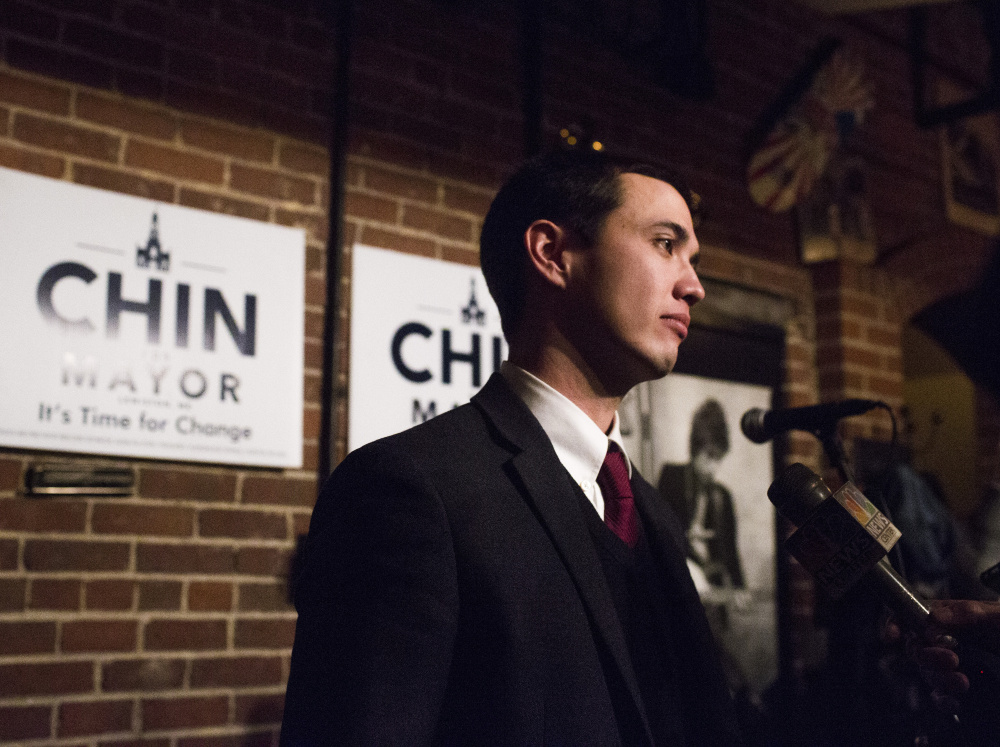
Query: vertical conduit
532, 17
341, 15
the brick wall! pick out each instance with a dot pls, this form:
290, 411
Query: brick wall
164, 613
161, 618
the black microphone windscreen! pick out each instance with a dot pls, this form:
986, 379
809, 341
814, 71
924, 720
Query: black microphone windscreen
752, 425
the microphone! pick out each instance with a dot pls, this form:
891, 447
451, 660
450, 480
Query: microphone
762, 425
842, 539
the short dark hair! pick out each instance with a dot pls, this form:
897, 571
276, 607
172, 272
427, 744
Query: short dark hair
576, 190
709, 431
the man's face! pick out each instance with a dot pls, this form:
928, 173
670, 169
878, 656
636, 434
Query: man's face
630, 293
706, 464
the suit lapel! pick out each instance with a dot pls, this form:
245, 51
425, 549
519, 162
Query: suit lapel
549, 491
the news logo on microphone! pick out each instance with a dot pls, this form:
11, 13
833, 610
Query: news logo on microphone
842, 539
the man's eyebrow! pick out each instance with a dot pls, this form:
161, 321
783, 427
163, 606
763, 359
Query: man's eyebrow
679, 230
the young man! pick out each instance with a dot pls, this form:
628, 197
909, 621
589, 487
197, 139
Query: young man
494, 576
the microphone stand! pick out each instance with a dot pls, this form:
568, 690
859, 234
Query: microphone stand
833, 447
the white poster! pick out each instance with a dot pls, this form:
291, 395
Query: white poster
683, 433
135, 328
425, 336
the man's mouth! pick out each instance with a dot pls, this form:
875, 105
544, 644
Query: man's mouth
679, 323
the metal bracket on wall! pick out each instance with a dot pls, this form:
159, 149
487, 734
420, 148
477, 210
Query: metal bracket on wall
49, 480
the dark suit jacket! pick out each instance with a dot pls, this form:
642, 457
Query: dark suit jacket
451, 594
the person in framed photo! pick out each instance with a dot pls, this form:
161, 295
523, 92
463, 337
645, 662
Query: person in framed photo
705, 506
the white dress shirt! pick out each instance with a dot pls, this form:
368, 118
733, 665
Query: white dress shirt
579, 443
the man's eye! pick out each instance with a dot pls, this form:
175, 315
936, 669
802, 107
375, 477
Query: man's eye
667, 244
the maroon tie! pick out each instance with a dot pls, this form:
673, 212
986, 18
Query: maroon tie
619, 504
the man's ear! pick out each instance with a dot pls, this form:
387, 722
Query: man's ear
546, 244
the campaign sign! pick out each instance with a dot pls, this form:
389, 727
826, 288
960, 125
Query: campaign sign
425, 336
141, 329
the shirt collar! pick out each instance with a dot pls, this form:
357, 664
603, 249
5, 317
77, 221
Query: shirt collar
579, 443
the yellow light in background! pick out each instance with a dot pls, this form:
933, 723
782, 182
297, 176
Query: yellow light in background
571, 140
564, 133
597, 145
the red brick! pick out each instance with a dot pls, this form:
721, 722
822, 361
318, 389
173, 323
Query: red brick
25, 722
315, 291
259, 709
311, 391
184, 558
125, 114
144, 675
300, 522
438, 222
222, 204
13, 594
265, 633
860, 357
400, 184
27, 638
312, 353
110, 594
54, 594
314, 324
467, 200
186, 485
185, 635
305, 158
24, 680
315, 259
279, 490
98, 717
174, 162
461, 255
315, 225
253, 739
33, 94
99, 635
242, 524
271, 597
242, 143
65, 138
310, 423
159, 595
184, 713
400, 242
10, 473
121, 518
262, 561
272, 184
40, 515
116, 180
242, 671
371, 207
99, 39
66, 555
210, 596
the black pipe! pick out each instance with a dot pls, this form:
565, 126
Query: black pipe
341, 14
532, 17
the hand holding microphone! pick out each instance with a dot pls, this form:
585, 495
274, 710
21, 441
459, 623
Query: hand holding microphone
842, 539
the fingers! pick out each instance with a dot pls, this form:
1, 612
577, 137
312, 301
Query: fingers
964, 613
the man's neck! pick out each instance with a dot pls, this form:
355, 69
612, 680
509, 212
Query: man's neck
568, 376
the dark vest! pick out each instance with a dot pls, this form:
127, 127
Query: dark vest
641, 606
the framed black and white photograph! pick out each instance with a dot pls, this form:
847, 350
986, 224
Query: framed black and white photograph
970, 166
683, 434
